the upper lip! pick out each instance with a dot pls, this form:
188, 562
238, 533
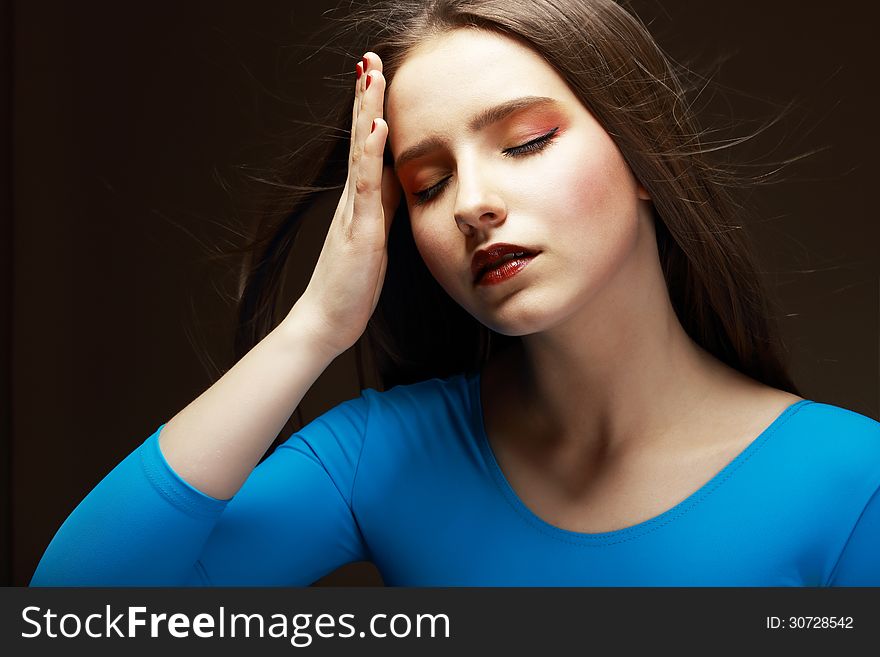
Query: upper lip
484, 258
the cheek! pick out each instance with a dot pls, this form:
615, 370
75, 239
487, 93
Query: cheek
592, 212
434, 252
594, 192
592, 177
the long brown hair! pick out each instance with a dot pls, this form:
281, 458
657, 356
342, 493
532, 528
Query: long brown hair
636, 92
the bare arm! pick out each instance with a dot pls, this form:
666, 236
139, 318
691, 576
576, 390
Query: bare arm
216, 441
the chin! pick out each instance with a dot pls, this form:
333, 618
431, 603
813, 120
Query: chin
516, 321
524, 312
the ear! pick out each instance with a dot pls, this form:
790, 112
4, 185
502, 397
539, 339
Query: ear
643, 193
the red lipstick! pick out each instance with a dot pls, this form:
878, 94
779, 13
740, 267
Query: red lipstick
500, 262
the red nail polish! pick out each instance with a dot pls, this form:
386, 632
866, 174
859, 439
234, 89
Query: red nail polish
359, 70
369, 77
373, 126
366, 62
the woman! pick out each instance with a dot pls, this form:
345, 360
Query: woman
628, 423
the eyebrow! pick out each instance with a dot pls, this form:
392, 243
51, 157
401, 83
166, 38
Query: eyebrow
478, 122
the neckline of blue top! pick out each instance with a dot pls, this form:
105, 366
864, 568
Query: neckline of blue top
626, 533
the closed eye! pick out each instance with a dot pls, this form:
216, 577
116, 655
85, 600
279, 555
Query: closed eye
532, 146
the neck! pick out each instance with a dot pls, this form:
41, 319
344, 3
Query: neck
618, 374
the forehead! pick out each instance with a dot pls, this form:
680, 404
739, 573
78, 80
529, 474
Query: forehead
450, 77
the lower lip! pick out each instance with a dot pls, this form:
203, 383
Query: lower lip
506, 271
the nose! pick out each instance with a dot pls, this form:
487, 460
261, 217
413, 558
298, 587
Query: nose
478, 204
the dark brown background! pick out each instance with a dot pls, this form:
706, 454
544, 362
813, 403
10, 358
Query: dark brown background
119, 117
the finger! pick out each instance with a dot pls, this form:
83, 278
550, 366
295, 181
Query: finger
370, 97
368, 183
356, 105
367, 62
371, 62
372, 101
372, 108
368, 100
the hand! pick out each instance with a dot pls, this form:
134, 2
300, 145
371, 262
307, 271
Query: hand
345, 285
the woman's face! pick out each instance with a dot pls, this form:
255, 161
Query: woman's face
463, 104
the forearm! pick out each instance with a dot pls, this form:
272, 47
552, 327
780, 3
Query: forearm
216, 441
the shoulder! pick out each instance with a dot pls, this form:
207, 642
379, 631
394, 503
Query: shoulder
450, 395
838, 426
413, 413
848, 444
421, 408
803, 428
842, 444
413, 430
414, 418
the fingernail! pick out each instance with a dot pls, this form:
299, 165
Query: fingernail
359, 70
366, 62
369, 77
373, 127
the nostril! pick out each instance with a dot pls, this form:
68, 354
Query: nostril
463, 225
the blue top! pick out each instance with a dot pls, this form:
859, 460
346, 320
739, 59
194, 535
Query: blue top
407, 479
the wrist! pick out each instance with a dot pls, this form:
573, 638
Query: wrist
303, 328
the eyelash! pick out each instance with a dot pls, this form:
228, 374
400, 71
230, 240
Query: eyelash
515, 151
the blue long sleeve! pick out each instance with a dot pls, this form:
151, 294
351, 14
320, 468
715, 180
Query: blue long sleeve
289, 524
140, 526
